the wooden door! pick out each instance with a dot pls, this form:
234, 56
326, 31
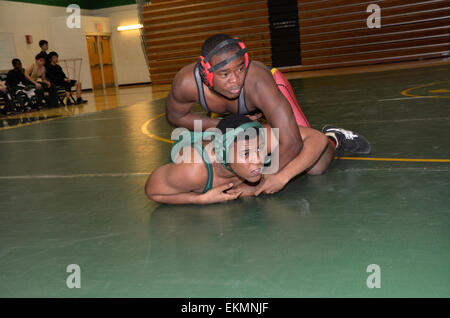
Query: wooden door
94, 61
105, 51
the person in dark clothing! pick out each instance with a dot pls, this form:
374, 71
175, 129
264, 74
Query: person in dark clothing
57, 77
18, 85
43, 44
9, 103
16, 76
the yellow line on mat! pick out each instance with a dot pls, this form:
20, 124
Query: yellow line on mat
406, 92
144, 129
394, 159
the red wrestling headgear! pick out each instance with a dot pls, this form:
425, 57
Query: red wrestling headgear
207, 70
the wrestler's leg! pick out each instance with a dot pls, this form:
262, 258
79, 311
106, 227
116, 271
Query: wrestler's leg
286, 88
321, 164
324, 161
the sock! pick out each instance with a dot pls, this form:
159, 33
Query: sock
332, 142
333, 139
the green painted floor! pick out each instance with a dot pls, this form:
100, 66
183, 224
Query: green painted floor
72, 193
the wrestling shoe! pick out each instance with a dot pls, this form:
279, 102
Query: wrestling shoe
69, 102
347, 140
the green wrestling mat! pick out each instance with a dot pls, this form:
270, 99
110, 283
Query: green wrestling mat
72, 192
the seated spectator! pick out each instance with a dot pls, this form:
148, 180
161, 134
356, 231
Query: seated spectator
19, 86
16, 76
36, 74
9, 102
58, 78
43, 44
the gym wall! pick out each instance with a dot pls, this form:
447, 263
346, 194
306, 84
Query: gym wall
333, 33
35, 18
175, 30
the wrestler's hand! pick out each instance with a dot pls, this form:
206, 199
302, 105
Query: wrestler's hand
271, 183
255, 116
38, 86
245, 189
217, 194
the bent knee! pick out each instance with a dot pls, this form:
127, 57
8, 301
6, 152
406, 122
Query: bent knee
148, 189
316, 171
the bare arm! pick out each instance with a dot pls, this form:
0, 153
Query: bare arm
44, 78
180, 101
180, 114
28, 77
268, 98
246, 190
164, 185
314, 144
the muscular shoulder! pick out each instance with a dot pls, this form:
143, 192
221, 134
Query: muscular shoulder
189, 173
191, 176
259, 79
184, 88
259, 83
259, 75
177, 178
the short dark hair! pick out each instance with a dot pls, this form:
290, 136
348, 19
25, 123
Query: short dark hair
40, 56
42, 42
15, 61
52, 54
211, 42
232, 121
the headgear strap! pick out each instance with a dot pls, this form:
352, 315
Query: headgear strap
228, 60
207, 70
220, 46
